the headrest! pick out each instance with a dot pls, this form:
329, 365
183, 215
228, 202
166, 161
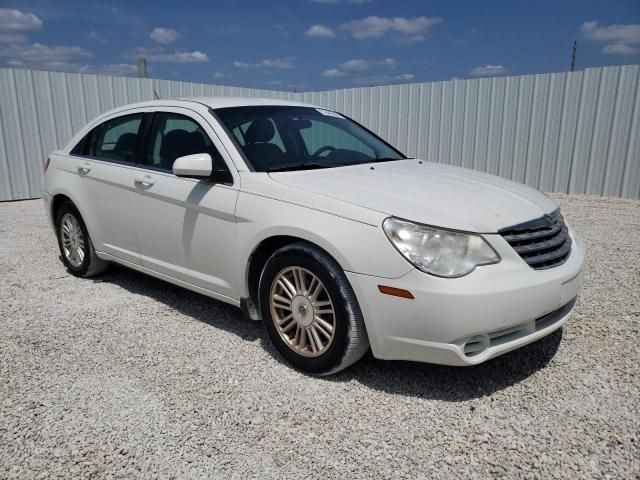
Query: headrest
197, 141
174, 144
260, 131
126, 143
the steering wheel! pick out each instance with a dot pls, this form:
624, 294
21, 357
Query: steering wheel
326, 148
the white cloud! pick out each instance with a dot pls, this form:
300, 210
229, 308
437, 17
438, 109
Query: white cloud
320, 31
488, 70
163, 35
59, 58
160, 56
39, 53
179, 57
383, 79
95, 36
277, 63
54, 65
406, 29
333, 72
616, 33
119, 69
12, 38
11, 19
360, 64
357, 64
219, 74
116, 69
281, 63
619, 49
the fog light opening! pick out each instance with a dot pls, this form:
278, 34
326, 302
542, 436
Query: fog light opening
476, 345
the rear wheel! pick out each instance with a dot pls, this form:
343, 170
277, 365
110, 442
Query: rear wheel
76, 248
310, 311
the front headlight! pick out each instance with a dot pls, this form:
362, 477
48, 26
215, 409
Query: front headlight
439, 252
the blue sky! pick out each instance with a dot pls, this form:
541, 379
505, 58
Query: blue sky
318, 44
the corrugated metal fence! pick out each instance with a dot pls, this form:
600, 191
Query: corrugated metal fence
564, 132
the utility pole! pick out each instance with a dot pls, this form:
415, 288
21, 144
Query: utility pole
573, 56
142, 67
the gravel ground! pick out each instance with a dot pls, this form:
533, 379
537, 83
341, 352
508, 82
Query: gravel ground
126, 375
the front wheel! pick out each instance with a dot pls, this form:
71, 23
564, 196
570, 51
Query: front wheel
310, 311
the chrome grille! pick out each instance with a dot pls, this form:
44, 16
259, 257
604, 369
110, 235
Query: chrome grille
542, 243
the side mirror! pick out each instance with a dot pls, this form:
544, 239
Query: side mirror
196, 165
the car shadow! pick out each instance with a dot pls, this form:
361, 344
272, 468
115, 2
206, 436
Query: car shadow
199, 307
453, 384
436, 382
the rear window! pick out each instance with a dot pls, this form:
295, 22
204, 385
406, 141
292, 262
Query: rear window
115, 139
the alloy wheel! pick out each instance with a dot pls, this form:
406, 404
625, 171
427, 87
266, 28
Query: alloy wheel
72, 240
302, 311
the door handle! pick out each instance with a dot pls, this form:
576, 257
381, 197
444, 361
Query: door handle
145, 181
84, 169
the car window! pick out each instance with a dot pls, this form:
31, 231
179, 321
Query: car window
278, 137
322, 134
82, 146
116, 139
172, 136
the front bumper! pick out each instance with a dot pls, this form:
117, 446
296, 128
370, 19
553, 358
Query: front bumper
468, 320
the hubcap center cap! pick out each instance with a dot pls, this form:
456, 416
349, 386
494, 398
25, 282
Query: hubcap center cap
302, 310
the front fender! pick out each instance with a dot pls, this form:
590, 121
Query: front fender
357, 247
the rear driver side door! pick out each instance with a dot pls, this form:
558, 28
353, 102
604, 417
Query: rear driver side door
107, 171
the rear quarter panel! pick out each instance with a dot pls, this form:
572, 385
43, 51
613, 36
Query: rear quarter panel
62, 178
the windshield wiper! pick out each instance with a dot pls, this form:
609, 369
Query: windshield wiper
302, 166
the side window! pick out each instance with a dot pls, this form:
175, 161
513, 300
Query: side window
323, 134
116, 139
82, 148
173, 135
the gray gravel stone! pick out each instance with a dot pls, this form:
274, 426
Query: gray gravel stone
127, 376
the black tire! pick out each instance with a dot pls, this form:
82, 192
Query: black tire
91, 264
350, 341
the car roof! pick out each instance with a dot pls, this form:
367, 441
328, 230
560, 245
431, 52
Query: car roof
224, 102
213, 102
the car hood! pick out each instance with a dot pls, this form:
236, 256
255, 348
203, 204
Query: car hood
425, 192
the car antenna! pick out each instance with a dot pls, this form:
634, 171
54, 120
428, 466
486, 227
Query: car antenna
155, 94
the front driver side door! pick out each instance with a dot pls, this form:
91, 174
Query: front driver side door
186, 227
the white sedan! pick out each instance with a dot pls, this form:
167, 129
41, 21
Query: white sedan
308, 221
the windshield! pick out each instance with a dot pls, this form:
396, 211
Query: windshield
280, 138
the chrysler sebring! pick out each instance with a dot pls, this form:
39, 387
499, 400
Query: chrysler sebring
311, 223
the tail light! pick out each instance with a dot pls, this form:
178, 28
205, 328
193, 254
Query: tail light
46, 164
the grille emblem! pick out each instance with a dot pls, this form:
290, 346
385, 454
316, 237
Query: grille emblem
548, 220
